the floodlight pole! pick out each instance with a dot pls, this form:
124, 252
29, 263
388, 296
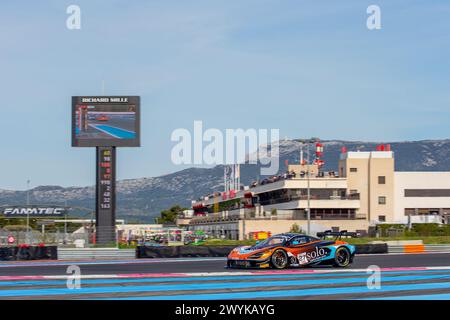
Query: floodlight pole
65, 223
308, 186
308, 214
28, 214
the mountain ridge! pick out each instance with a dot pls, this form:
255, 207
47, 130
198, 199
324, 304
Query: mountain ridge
141, 199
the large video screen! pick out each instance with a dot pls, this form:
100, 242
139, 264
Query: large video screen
106, 121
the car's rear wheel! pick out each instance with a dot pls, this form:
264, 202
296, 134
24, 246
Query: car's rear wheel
279, 259
342, 257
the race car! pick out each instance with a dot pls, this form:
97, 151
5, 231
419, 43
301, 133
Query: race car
102, 118
295, 250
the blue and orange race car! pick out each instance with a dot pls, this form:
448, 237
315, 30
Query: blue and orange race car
295, 250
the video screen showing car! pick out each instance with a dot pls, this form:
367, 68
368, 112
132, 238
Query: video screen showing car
102, 123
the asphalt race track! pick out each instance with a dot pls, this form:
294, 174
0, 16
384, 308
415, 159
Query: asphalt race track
403, 276
201, 264
117, 126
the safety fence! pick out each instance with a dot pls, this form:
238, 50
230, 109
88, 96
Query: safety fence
106, 237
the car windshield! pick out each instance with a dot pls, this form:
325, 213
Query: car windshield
271, 241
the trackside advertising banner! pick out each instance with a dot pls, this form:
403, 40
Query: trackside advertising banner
38, 211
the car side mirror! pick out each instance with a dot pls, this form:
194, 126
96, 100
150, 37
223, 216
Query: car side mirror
295, 242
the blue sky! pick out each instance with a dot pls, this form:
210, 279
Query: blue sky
309, 68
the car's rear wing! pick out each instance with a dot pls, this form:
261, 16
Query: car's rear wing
337, 234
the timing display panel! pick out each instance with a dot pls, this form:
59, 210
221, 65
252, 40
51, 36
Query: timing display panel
103, 121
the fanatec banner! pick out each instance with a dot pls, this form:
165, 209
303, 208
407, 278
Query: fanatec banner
40, 211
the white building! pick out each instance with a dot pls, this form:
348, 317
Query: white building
365, 191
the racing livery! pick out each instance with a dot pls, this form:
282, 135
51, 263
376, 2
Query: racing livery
295, 250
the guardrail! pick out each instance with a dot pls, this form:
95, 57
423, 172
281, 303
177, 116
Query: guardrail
95, 253
418, 248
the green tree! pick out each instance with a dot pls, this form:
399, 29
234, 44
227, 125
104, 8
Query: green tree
170, 215
295, 228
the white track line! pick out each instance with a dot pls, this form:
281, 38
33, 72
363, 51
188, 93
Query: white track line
211, 274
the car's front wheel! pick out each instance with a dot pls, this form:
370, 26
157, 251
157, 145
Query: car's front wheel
279, 259
342, 257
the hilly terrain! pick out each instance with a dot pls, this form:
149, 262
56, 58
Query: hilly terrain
141, 200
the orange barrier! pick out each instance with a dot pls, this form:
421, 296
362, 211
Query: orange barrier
413, 248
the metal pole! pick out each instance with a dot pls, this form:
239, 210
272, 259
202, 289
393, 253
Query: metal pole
308, 213
28, 215
65, 224
65, 228
28, 192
